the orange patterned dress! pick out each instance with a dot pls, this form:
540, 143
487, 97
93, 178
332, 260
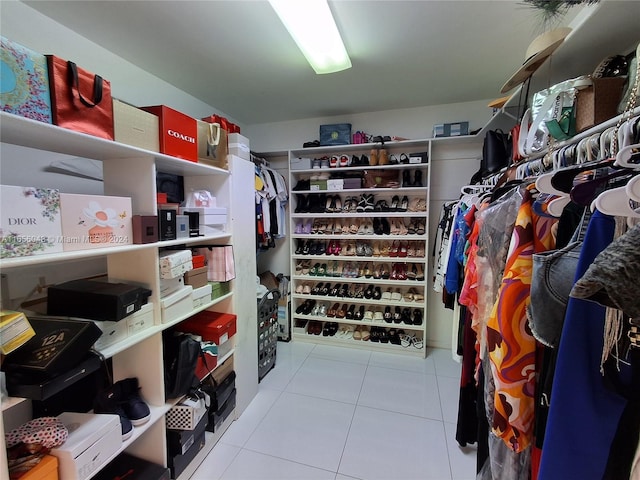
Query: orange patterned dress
511, 346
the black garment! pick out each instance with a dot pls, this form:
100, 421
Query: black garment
467, 424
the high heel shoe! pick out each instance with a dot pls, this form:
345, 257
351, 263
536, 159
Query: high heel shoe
394, 203
417, 179
404, 204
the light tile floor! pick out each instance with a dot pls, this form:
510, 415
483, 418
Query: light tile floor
331, 413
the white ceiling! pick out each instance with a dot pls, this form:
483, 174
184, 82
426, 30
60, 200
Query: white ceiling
237, 57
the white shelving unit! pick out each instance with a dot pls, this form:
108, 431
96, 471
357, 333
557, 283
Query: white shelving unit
130, 171
381, 256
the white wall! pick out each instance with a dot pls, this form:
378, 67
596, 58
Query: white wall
412, 123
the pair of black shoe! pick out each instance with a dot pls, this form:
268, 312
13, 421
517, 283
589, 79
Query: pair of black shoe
123, 398
306, 307
417, 179
362, 161
379, 334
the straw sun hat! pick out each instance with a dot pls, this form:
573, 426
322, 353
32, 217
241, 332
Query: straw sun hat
539, 50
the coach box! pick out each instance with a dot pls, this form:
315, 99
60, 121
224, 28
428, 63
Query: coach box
30, 221
95, 221
178, 133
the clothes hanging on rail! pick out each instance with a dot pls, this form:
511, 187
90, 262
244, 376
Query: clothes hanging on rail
271, 201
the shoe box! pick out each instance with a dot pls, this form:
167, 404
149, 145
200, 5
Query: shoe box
96, 300
128, 467
178, 304
179, 441
46, 469
187, 414
221, 391
201, 296
92, 440
219, 416
179, 461
214, 327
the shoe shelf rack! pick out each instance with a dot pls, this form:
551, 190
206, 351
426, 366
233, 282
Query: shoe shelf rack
131, 172
359, 219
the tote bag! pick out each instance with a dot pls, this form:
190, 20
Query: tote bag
80, 100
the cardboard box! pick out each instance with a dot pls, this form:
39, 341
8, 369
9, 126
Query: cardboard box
112, 332
239, 146
177, 132
145, 228
198, 261
350, 183
300, 163
201, 296
46, 469
211, 326
208, 215
223, 413
170, 285
219, 289
318, 185
15, 329
167, 224
599, 102
197, 278
30, 221
335, 184
95, 221
141, 320
92, 440
222, 391
186, 415
179, 441
451, 129
134, 126
96, 300
179, 463
176, 271
177, 304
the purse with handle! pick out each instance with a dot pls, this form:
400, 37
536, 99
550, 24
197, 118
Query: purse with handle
80, 100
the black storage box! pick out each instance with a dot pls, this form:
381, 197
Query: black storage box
42, 387
222, 391
216, 419
179, 441
58, 345
178, 463
96, 300
128, 467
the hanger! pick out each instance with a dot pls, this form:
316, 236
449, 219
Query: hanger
629, 156
616, 202
633, 188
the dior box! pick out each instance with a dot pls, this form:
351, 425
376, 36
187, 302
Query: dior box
96, 300
134, 126
92, 440
30, 221
95, 221
167, 224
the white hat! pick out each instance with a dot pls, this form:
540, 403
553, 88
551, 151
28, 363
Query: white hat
539, 50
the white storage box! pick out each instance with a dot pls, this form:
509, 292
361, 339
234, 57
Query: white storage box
335, 184
112, 332
186, 415
141, 320
172, 258
177, 304
208, 215
201, 296
176, 271
300, 163
170, 285
92, 440
225, 347
239, 145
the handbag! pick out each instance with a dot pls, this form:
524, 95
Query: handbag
220, 262
496, 152
552, 113
80, 100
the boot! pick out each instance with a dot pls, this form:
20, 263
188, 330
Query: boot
110, 401
134, 407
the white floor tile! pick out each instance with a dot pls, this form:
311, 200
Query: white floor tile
282, 372
343, 354
216, 462
322, 378
294, 349
304, 429
461, 459
402, 362
386, 445
449, 395
250, 465
240, 430
444, 362
402, 392
344, 477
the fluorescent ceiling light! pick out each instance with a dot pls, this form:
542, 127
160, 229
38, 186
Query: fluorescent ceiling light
311, 25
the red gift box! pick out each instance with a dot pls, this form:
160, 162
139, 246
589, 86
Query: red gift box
198, 261
178, 133
211, 326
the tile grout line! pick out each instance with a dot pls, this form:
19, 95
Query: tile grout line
444, 430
